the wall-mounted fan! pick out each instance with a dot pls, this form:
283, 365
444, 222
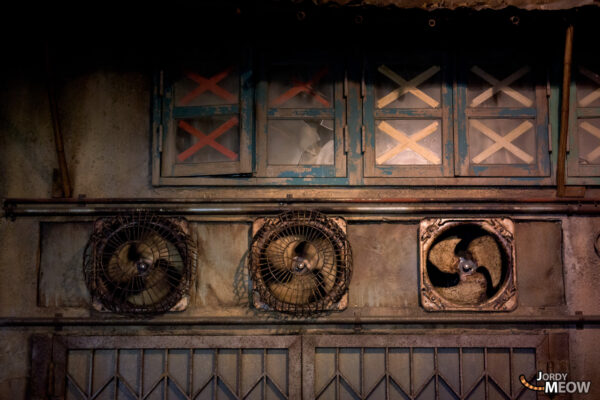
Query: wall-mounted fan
139, 264
300, 263
468, 264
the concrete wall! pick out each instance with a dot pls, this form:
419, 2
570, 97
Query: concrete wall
104, 107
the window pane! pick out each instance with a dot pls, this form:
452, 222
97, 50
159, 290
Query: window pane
498, 85
501, 141
204, 85
210, 139
589, 141
300, 142
408, 142
400, 86
588, 86
301, 86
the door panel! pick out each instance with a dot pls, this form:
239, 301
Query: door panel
421, 367
293, 367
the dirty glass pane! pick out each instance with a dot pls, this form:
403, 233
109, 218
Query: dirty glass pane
408, 142
588, 86
402, 86
589, 141
300, 86
501, 141
206, 85
500, 85
300, 142
207, 140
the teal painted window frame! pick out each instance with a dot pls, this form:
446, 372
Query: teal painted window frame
372, 114
537, 113
577, 173
265, 113
170, 114
354, 92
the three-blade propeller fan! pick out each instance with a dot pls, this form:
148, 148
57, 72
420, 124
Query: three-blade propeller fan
465, 265
139, 264
300, 262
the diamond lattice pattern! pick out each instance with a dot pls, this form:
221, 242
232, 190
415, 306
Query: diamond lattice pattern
178, 374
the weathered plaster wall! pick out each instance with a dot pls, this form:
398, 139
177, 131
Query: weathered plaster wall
104, 110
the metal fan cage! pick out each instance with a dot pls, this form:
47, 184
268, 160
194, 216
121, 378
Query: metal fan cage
154, 284
268, 270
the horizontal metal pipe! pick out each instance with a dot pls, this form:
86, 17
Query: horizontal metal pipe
385, 320
32, 210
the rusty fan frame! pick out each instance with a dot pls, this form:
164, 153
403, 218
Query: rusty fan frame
502, 229
268, 229
174, 230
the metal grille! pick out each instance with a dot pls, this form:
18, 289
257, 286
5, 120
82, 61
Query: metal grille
359, 366
406, 367
181, 368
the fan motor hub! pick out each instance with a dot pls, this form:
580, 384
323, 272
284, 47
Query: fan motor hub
301, 265
142, 267
466, 266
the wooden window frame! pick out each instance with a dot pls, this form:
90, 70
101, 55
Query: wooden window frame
577, 173
264, 114
355, 135
168, 114
371, 115
537, 113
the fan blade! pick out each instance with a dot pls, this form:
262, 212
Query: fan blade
153, 246
280, 252
161, 280
486, 253
442, 255
133, 253
174, 275
307, 251
326, 275
121, 268
325, 253
470, 290
297, 291
324, 285
124, 289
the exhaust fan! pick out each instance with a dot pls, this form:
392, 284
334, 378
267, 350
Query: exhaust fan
300, 263
139, 264
468, 264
